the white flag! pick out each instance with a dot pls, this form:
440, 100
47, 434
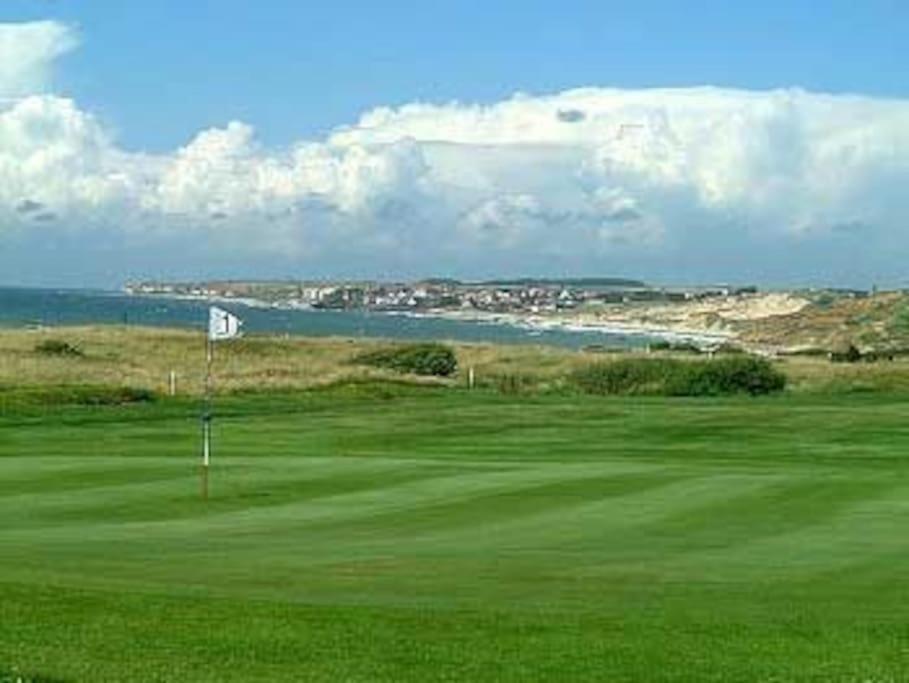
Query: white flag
222, 325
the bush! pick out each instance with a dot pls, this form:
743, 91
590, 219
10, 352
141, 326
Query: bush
57, 347
626, 376
73, 394
419, 359
850, 355
671, 377
729, 349
113, 396
605, 348
808, 352
679, 346
736, 375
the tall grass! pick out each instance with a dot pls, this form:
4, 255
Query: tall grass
419, 359
72, 394
118, 356
672, 377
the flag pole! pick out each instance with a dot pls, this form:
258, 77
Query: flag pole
206, 416
221, 325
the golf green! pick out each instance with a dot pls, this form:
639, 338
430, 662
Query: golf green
391, 534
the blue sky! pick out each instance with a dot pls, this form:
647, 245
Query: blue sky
154, 86
160, 71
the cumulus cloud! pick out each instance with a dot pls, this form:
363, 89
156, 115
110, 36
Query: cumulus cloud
27, 54
580, 175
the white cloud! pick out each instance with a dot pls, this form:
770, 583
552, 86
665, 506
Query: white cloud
578, 174
27, 53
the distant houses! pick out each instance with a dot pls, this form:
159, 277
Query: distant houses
526, 295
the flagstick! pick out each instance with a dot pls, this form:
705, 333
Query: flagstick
206, 416
221, 325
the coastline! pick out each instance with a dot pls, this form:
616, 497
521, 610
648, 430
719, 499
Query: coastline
533, 322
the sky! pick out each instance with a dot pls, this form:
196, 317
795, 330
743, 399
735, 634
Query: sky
678, 142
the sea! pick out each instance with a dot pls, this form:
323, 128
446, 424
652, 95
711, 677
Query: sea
25, 307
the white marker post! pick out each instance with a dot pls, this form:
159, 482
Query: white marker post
221, 325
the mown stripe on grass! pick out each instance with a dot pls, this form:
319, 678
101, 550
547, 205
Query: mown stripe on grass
778, 508
427, 487
867, 529
234, 489
67, 476
516, 499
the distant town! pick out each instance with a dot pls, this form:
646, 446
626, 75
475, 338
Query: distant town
776, 321
535, 296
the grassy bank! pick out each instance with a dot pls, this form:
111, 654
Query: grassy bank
403, 533
142, 358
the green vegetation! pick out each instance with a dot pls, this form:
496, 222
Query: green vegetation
418, 359
15, 397
57, 347
141, 357
678, 346
736, 375
672, 377
354, 535
850, 355
898, 324
878, 323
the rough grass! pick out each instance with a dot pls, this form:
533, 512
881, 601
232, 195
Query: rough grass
16, 397
424, 358
365, 533
143, 358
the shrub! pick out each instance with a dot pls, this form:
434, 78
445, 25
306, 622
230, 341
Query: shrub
419, 359
808, 352
114, 396
881, 355
672, 377
73, 394
729, 349
850, 355
660, 345
604, 348
626, 376
679, 346
735, 375
685, 347
57, 347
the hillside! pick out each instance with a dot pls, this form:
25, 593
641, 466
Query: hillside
879, 322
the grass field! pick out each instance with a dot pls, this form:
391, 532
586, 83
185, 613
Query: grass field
392, 533
144, 357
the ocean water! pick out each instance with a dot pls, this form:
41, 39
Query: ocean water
20, 307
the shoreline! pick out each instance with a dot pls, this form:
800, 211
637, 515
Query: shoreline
532, 322
536, 322
525, 321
